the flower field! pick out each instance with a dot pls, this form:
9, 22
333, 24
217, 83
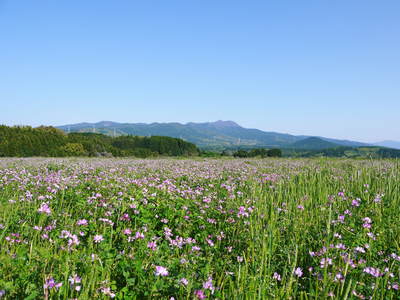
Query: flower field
199, 229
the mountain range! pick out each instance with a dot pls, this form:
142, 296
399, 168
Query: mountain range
218, 135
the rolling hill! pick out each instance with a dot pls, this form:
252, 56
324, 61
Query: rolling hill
313, 143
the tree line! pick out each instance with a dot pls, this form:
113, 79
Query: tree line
258, 152
25, 141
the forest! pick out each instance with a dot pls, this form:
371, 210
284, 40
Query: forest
47, 141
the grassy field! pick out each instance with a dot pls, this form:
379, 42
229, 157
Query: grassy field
199, 229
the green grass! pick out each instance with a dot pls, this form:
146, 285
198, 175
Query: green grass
250, 219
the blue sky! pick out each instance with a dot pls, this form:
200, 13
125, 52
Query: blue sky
328, 68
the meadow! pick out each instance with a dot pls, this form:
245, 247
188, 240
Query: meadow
199, 229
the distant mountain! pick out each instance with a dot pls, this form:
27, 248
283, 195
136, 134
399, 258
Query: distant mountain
210, 135
313, 143
345, 142
389, 144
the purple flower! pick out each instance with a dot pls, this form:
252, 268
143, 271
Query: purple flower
325, 262
98, 238
52, 284
125, 217
208, 285
359, 249
82, 222
107, 291
367, 225
200, 294
161, 271
44, 208
276, 276
75, 282
371, 235
340, 246
373, 271
298, 272
127, 231
339, 277
75, 279
184, 281
139, 235
152, 245
367, 220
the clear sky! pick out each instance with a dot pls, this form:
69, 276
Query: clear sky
328, 68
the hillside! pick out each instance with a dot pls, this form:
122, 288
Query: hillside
48, 141
217, 135
313, 143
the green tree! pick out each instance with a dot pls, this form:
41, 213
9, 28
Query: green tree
274, 152
73, 149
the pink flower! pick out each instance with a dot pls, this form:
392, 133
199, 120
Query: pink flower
367, 220
359, 249
52, 284
152, 245
127, 231
277, 277
75, 279
325, 262
208, 285
200, 294
45, 208
184, 281
82, 222
125, 217
298, 272
107, 291
373, 271
75, 282
98, 238
161, 271
139, 235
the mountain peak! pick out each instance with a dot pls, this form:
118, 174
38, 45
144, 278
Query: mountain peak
221, 123
106, 123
